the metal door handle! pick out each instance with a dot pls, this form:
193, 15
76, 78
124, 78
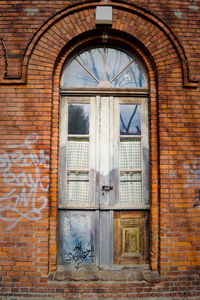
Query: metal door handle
107, 188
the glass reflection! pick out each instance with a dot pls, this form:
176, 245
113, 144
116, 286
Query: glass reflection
78, 118
131, 77
115, 61
130, 119
93, 60
100, 66
76, 75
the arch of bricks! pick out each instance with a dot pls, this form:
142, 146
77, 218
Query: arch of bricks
127, 17
47, 58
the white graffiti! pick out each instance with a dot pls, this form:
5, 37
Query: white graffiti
193, 174
22, 168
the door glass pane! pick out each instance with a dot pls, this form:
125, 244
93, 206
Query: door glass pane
130, 119
130, 188
78, 118
78, 153
130, 153
77, 188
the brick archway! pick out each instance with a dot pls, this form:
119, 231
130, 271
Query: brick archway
79, 18
129, 43
114, 37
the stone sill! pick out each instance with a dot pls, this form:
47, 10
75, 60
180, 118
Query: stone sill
100, 274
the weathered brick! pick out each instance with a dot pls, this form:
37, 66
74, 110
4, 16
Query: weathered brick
36, 39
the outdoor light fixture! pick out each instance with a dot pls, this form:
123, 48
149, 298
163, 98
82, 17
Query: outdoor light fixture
103, 15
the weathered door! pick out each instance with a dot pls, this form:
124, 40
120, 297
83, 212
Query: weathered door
103, 182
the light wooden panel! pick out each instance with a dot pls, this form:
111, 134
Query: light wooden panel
131, 240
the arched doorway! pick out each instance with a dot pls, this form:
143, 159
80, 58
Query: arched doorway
104, 160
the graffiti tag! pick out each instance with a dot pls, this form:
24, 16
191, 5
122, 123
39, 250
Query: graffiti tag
193, 179
193, 174
78, 255
21, 168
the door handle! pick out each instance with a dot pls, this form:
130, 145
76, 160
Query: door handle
107, 188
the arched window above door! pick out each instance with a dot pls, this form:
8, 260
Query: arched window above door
104, 67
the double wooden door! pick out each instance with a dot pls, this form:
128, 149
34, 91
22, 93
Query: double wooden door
103, 181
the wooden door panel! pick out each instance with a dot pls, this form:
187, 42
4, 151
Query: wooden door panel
131, 241
78, 237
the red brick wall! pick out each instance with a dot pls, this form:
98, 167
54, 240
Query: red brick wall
36, 38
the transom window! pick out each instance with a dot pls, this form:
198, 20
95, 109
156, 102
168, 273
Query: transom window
103, 163
104, 67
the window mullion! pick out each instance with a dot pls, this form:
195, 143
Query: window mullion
104, 149
145, 152
62, 152
94, 151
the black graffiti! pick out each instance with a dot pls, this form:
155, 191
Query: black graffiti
78, 255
